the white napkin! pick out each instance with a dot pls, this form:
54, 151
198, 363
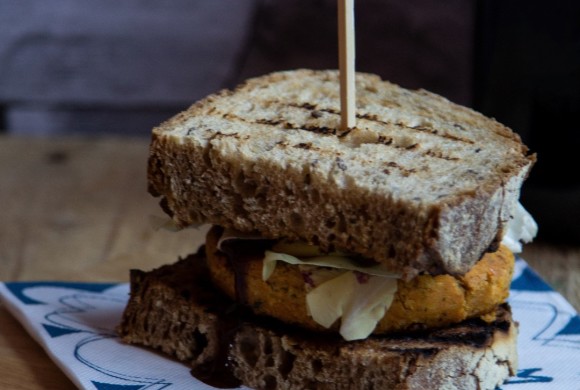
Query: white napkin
74, 322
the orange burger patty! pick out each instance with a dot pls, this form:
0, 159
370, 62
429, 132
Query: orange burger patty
423, 302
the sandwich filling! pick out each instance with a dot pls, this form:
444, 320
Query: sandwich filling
297, 283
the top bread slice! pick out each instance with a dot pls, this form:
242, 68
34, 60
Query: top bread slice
420, 184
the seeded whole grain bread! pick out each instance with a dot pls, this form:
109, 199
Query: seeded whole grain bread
174, 309
420, 184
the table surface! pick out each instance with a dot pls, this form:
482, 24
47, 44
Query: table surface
77, 209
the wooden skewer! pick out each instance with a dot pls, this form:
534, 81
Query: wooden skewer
346, 53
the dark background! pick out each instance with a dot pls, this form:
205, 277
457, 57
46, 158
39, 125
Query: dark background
121, 67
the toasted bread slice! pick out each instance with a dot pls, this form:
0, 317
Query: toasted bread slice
175, 309
420, 184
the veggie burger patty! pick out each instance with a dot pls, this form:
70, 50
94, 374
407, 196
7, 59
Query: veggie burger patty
423, 302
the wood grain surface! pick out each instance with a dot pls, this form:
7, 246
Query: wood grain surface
78, 209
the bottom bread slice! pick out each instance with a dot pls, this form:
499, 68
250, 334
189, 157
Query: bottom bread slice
176, 310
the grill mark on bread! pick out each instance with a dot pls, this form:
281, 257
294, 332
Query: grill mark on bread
292, 126
381, 139
384, 140
424, 129
317, 112
444, 135
404, 171
440, 155
374, 118
304, 145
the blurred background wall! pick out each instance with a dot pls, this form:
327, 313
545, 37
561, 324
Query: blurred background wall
121, 67
108, 66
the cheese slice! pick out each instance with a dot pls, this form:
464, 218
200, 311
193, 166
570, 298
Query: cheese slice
358, 296
360, 303
331, 261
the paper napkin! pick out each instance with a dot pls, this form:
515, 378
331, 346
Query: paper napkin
74, 323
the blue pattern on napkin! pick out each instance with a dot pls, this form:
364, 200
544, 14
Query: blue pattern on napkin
529, 281
57, 331
108, 386
17, 288
572, 327
529, 376
83, 316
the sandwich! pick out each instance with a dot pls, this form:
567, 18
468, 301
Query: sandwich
378, 256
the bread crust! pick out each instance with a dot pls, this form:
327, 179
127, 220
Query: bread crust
421, 184
175, 310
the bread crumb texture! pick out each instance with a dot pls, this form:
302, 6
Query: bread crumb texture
408, 182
